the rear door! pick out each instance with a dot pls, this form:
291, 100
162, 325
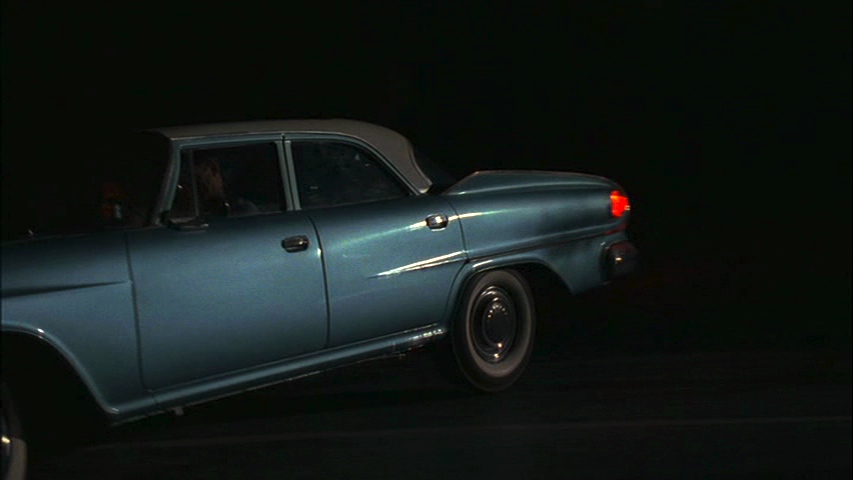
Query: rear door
390, 254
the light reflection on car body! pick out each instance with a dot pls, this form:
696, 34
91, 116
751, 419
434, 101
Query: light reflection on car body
193, 305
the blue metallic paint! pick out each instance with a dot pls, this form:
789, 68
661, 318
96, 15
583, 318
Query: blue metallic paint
385, 270
493, 181
88, 315
57, 263
270, 374
225, 298
560, 221
186, 316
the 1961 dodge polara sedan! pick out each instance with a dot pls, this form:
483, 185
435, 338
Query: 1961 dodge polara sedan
233, 256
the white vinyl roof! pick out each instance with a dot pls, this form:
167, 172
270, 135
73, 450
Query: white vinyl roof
393, 146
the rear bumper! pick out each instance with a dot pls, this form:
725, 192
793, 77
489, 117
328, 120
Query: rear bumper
620, 258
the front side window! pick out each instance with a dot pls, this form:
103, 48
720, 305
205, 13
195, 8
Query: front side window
228, 181
332, 173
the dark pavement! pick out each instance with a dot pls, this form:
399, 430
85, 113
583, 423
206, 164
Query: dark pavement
705, 415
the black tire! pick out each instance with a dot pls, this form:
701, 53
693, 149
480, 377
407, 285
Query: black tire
15, 450
492, 335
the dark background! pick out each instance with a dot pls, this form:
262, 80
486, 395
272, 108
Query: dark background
729, 124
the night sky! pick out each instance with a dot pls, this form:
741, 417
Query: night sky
729, 124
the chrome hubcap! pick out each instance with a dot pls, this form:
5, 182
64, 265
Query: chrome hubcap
494, 324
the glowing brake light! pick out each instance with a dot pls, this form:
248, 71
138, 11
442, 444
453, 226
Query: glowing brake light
619, 203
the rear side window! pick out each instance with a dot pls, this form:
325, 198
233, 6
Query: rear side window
330, 173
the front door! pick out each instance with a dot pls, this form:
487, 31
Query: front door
240, 291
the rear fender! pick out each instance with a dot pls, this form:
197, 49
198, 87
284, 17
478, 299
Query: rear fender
578, 264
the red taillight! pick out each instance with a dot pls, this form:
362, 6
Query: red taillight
618, 203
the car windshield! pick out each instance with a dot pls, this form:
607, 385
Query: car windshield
109, 185
438, 175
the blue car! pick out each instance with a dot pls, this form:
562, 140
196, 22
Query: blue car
233, 256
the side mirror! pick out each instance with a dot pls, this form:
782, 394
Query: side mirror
114, 212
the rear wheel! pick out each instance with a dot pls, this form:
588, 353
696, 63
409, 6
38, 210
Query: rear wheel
14, 447
493, 334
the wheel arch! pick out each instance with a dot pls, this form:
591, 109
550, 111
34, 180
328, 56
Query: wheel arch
540, 278
30, 360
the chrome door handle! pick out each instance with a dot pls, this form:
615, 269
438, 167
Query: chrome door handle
295, 244
436, 222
